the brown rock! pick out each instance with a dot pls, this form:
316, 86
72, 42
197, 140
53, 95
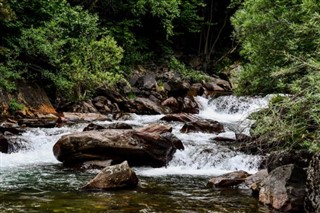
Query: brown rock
148, 146
114, 177
189, 105
207, 126
172, 103
229, 179
146, 106
181, 117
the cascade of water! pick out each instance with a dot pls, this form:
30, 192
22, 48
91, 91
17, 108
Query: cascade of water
202, 156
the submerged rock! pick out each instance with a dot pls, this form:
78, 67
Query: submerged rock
284, 188
312, 201
114, 177
153, 145
229, 179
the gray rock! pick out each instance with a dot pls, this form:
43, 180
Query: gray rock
284, 188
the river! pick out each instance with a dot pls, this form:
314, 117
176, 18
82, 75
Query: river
32, 180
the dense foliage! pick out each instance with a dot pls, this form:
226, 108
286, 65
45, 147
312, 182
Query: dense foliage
280, 42
73, 46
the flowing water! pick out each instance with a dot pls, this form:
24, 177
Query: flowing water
32, 180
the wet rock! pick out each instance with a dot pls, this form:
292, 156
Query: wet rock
189, 105
114, 177
153, 145
4, 144
207, 126
284, 188
312, 200
121, 116
181, 117
84, 117
229, 179
118, 126
172, 103
224, 139
12, 130
254, 181
300, 158
35, 122
93, 126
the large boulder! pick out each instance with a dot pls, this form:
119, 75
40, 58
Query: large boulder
153, 145
114, 177
284, 188
229, 179
312, 201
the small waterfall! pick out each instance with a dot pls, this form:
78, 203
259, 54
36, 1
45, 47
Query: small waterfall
202, 155
35, 147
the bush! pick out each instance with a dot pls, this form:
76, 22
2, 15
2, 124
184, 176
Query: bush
292, 121
186, 72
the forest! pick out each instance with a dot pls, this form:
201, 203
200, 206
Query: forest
72, 47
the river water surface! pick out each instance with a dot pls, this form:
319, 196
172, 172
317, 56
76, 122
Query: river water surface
32, 180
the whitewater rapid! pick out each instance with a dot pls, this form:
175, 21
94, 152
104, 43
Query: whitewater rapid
202, 155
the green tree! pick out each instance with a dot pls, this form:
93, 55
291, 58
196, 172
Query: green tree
76, 55
277, 38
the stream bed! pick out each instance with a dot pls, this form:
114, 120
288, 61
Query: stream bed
32, 180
